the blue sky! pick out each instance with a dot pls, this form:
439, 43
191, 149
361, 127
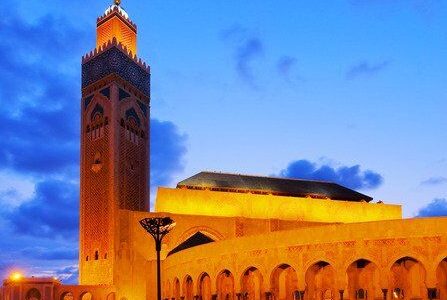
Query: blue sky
351, 91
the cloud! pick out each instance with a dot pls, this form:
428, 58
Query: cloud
434, 181
52, 212
366, 69
39, 79
39, 117
352, 177
168, 148
50, 253
68, 275
245, 54
248, 47
285, 65
436, 208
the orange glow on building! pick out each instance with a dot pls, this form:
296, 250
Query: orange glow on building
116, 24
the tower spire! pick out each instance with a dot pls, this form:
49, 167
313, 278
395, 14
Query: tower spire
116, 24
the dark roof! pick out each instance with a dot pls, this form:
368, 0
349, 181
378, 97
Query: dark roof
196, 239
271, 185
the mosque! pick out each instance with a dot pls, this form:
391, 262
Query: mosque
237, 237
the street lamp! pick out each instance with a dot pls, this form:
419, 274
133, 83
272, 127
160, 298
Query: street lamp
158, 228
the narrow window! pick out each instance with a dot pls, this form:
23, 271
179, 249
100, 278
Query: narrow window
96, 255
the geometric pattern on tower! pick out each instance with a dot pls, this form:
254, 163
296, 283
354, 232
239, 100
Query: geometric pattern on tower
114, 61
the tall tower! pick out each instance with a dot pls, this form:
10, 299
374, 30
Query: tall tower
114, 142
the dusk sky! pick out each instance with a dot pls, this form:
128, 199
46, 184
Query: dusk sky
351, 91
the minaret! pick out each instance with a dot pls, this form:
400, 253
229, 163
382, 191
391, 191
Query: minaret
114, 142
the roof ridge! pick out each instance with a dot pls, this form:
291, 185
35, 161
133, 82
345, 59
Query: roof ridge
268, 177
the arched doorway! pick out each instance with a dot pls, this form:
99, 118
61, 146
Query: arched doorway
284, 282
204, 287
252, 284
363, 280
225, 285
441, 276
176, 288
33, 294
111, 296
408, 279
67, 296
86, 296
320, 282
188, 288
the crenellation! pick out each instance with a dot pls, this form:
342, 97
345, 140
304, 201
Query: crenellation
115, 10
113, 43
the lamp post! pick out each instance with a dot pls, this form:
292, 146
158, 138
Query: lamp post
158, 228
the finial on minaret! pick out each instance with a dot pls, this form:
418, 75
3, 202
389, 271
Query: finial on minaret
117, 2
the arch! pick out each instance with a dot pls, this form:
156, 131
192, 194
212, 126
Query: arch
33, 294
111, 296
320, 281
284, 282
188, 288
97, 112
67, 296
195, 240
407, 280
176, 288
204, 286
86, 296
225, 285
441, 277
131, 115
252, 285
213, 234
318, 259
363, 280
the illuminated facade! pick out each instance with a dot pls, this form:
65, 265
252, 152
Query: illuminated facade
236, 237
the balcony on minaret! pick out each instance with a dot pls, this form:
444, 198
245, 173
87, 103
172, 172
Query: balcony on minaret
115, 23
